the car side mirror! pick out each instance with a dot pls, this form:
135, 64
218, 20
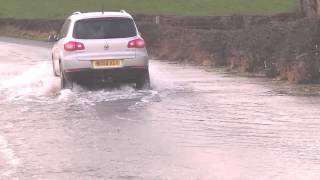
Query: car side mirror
53, 37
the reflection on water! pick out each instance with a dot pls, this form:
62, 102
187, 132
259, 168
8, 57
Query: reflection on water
193, 124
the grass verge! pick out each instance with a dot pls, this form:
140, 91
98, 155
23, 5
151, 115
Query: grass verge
58, 9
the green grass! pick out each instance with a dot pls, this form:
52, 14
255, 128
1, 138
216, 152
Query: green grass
55, 9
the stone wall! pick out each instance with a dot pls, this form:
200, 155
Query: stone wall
188, 22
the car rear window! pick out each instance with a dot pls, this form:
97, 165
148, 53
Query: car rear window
104, 28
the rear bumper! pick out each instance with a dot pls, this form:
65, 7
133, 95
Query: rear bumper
116, 75
73, 63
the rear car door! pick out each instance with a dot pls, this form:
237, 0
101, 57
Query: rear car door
58, 47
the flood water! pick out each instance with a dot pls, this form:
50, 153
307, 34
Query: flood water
194, 124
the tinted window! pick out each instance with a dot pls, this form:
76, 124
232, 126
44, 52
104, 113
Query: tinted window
104, 28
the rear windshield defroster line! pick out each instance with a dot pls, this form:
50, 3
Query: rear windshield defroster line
104, 28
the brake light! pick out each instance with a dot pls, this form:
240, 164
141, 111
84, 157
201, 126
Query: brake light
137, 43
74, 46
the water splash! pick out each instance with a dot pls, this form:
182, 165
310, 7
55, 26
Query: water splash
33, 83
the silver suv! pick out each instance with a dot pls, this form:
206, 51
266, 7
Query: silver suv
100, 47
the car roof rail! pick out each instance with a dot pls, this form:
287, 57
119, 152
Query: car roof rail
76, 13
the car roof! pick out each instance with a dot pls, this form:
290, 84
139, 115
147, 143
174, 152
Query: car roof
78, 15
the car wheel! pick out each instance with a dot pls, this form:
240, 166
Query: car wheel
64, 81
54, 69
143, 81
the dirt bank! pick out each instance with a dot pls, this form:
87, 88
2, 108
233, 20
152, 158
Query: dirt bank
283, 46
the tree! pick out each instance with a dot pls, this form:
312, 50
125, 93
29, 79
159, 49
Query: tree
310, 8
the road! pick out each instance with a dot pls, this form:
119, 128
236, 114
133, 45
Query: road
195, 124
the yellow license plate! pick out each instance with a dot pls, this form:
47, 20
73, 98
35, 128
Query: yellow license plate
101, 64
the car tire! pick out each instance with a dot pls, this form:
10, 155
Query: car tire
54, 69
143, 81
64, 81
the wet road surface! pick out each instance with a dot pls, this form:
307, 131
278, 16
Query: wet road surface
194, 124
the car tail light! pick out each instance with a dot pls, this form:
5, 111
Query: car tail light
74, 46
137, 43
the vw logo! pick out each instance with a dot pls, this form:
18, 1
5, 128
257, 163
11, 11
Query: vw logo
106, 47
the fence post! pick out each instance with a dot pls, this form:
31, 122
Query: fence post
157, 19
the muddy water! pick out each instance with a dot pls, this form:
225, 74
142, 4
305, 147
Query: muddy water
194, 124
